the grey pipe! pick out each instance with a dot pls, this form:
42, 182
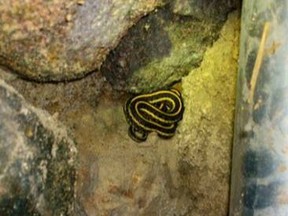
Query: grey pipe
259, 182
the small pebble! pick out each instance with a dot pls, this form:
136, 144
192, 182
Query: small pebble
80, 2
68, 17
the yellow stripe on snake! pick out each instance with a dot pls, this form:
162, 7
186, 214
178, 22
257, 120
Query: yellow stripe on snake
158, 112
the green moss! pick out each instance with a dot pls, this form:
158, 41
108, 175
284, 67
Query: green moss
189, 39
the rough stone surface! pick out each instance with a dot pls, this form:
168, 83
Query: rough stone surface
60, 39
203, 9
37, 162
207, 127
161, 49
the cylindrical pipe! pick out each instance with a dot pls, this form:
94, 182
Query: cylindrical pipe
259, 181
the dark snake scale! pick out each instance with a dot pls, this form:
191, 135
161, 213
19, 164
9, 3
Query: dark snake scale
158, 112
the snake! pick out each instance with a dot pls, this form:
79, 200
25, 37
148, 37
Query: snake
159, 112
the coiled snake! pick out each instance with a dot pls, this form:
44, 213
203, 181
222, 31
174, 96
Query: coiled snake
158, 112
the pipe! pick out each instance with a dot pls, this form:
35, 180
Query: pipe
259, 179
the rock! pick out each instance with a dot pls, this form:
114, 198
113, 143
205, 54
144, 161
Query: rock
203, 9
37, 163
207, 126
161, 49
62, 40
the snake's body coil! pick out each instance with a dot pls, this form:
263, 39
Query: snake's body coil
158, 112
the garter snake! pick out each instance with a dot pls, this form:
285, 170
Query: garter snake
158, 112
